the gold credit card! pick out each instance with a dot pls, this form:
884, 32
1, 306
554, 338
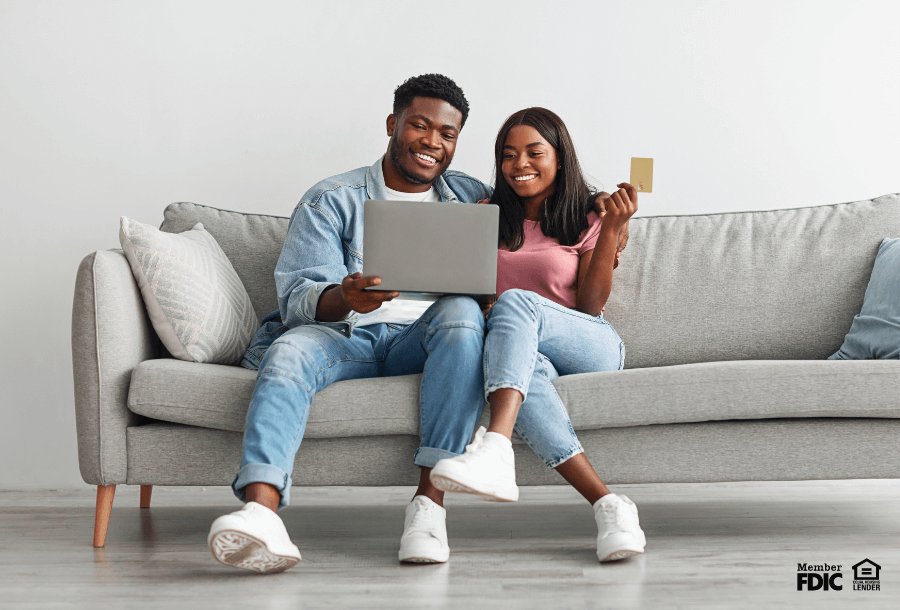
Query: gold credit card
642, 174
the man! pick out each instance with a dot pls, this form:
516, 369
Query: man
328, 329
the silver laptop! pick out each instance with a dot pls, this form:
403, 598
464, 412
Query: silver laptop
427, 247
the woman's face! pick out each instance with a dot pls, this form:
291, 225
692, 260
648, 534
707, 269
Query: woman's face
529, 164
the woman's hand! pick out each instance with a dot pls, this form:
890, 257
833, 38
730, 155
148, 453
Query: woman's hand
620, 207
600, 207
620, 244
595, 272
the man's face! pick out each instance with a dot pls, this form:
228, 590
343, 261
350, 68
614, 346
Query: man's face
423, 140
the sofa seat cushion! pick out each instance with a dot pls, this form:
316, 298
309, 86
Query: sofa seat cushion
217, 396
732, 390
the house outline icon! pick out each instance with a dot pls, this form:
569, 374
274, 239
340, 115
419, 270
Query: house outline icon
858, 576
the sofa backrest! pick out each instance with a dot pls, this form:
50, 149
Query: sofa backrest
252, 242
778, 285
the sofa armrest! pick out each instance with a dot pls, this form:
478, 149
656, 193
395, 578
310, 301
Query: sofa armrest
111, 334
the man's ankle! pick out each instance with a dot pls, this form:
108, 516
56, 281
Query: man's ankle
502, 428
264, 494
426, 488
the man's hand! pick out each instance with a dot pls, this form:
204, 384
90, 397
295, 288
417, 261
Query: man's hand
364, 301
486, 301
600, 203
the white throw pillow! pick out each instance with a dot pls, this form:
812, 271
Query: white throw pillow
194, 297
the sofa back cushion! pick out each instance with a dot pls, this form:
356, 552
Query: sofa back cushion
779, 285
251, 241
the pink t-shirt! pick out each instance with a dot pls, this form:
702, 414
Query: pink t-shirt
544, 266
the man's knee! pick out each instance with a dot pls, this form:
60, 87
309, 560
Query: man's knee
293, 352
457, 311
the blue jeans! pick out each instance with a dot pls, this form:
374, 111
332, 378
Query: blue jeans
530, 342
445, 344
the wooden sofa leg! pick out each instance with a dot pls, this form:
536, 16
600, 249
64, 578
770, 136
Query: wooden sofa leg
146, 490
105, 495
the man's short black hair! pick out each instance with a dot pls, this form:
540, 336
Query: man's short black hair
431, 85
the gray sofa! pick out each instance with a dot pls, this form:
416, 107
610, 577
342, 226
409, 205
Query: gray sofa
727, 321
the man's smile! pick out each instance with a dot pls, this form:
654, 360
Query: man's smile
426, 160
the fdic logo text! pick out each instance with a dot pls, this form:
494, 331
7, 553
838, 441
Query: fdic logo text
818, 577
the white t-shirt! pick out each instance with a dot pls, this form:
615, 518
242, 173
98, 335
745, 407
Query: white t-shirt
429, 195
405, 309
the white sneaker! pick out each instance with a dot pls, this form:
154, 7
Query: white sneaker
253, 538
619, 534
424, 538
486, 469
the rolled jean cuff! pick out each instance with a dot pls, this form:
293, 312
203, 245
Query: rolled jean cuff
565, 458
490, 388
263, 473
427, 457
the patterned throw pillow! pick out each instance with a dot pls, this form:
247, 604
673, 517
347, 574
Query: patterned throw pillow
195, 300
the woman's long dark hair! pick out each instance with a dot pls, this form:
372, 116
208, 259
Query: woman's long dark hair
564, 216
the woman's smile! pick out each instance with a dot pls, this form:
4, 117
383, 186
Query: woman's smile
529, 164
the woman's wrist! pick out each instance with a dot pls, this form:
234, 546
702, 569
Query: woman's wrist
608, 239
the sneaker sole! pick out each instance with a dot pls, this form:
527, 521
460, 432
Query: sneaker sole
617, 555
239, 550
423, 559
445, 483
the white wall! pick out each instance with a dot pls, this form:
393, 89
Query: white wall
118, 108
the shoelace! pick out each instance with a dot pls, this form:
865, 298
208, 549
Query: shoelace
610, 516
422, 516
477, 441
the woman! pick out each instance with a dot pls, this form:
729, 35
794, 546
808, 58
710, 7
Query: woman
554, 274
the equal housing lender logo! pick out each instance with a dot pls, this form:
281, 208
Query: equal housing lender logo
827, 577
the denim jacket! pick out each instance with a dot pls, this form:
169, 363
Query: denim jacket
324, 244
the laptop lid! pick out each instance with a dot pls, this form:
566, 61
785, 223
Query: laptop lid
443, 248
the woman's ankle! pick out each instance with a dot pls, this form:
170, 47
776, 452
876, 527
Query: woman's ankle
504, 403
579, 473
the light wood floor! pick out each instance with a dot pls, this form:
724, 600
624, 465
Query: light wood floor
728, 545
